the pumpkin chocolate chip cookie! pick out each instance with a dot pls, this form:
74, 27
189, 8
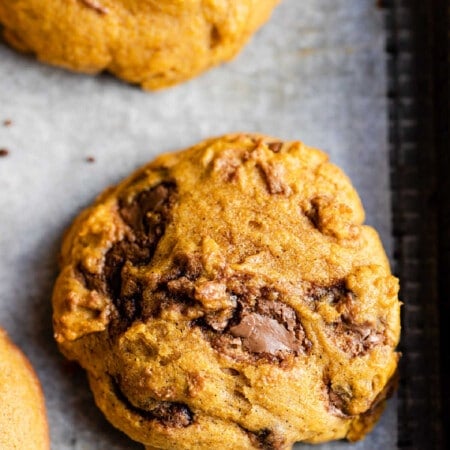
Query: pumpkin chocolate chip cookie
23, 421
229, 296
154, 43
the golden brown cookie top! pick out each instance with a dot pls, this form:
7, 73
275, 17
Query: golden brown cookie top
154, 43
231, 287
23, 422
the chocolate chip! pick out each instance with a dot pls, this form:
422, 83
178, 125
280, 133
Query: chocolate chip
7, 122
4, 152
275, 146
90, 159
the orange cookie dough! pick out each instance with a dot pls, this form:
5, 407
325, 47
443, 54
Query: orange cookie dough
23, 421
154, 43
229, 296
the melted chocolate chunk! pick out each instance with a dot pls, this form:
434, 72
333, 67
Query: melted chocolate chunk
168, 414
356, 339
261, 334
146, 215
261, 327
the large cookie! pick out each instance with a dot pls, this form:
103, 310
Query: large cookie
154, 43
23, 421
228, 296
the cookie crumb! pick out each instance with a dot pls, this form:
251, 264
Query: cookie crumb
90, 159
7, 122
4, 152
96, 6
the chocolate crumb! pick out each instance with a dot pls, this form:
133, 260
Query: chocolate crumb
7, 122
90, 159
4, 152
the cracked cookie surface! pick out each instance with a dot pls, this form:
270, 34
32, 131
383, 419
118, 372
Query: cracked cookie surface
230, 296
153, 43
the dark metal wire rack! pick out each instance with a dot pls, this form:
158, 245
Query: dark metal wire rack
418, 62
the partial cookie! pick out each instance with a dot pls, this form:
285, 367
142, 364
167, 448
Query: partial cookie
229, 296
154, 43
23, 422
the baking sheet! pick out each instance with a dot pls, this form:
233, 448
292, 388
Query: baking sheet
315, 72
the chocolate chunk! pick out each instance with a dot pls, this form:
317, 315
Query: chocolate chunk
266, 439
275, 146
227, 164
115, 260
175, 415
4, 152
261, 334
7, 122
283, 313
168, 414
332, 294
274, 176
146, 215
261, 327
356, 339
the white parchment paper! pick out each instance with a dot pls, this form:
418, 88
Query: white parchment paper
315, 72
